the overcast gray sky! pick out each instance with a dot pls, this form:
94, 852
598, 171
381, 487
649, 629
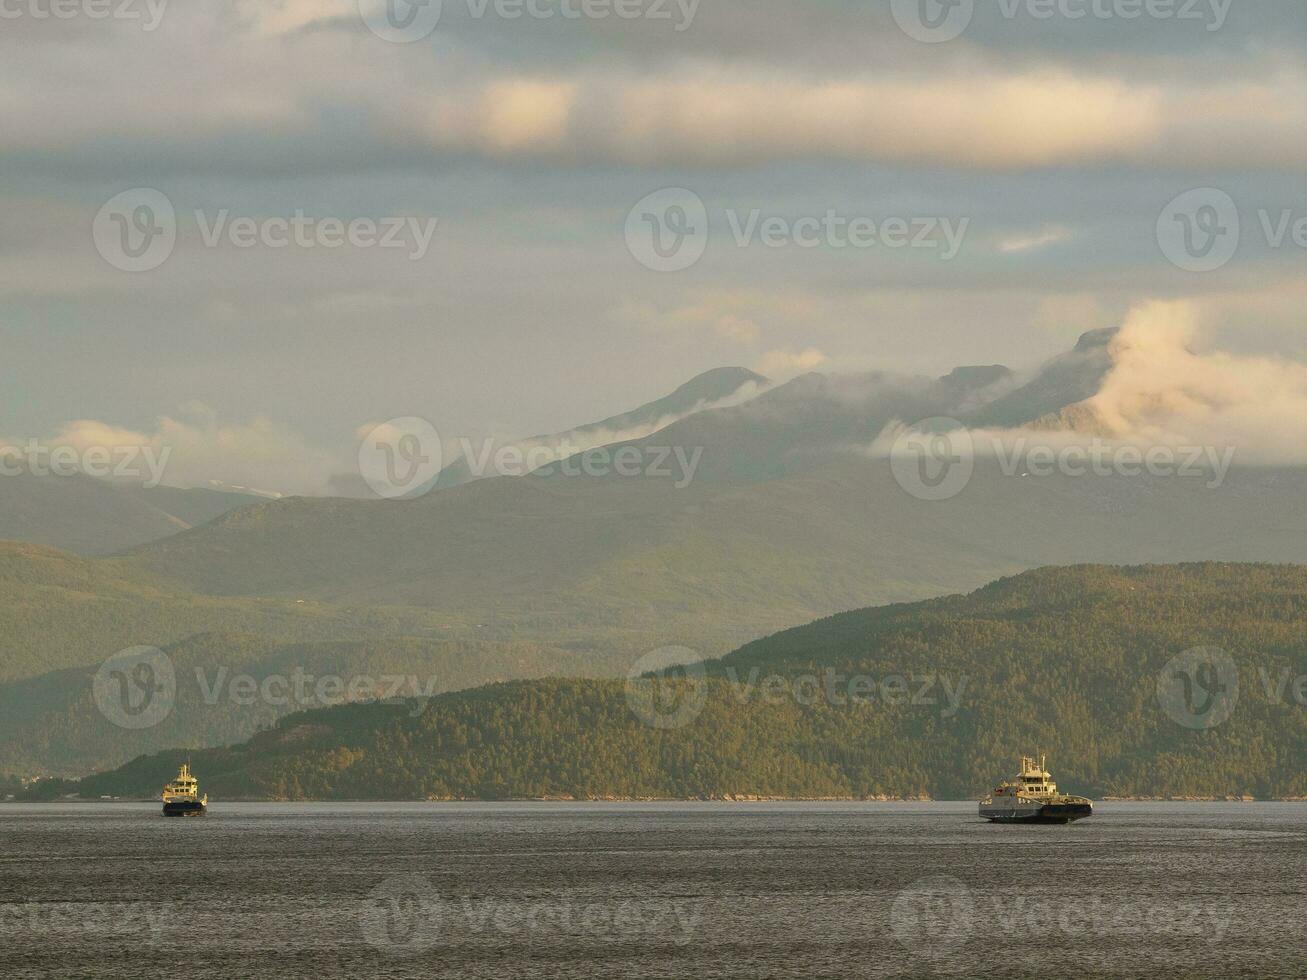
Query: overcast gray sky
1048, 147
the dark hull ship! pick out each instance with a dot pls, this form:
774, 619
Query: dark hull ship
1032, 797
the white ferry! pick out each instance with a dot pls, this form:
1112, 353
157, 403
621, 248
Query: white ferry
1032, 797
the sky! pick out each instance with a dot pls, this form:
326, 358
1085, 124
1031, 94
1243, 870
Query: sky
257, 229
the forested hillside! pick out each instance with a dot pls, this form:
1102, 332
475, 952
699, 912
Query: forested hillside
1063, 661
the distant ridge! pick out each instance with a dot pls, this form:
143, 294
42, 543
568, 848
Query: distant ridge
706, 390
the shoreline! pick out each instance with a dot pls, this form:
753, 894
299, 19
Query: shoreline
740, 800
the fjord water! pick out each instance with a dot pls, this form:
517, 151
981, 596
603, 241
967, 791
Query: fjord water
651, 890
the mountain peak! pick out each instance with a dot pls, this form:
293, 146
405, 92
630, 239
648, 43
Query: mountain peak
1096, 339
975, 377
716, 384
704, 390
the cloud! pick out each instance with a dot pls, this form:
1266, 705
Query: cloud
784, 363
1164, 389
275, 18
1033, 242
710, 116
198, 450
309, 70
727, 314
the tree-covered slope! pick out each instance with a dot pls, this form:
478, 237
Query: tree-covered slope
1063, 661
95, 517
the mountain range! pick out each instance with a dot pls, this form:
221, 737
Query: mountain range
743, 514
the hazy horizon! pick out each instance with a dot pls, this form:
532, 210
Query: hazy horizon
1036, 157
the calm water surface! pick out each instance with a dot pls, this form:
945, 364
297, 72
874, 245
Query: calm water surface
650, 890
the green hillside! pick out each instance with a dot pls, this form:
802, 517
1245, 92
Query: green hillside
1064, 661
61, 616
51, 725
95, 517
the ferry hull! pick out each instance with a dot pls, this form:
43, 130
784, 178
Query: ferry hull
1061, 813
184, 808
